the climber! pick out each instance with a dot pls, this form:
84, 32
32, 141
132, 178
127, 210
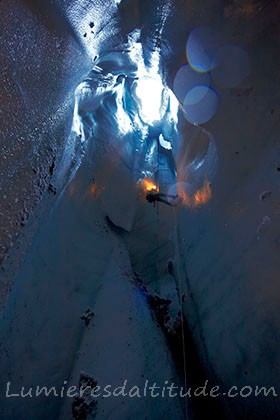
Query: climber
155, 196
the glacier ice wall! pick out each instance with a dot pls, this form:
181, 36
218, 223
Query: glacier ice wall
227, 255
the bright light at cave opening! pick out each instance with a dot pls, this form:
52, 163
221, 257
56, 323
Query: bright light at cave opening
149, 92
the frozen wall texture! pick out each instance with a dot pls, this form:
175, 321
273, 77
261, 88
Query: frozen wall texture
225, 255
41, 63
231, 247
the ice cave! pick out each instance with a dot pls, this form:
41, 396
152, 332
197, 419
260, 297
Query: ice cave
139, 210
